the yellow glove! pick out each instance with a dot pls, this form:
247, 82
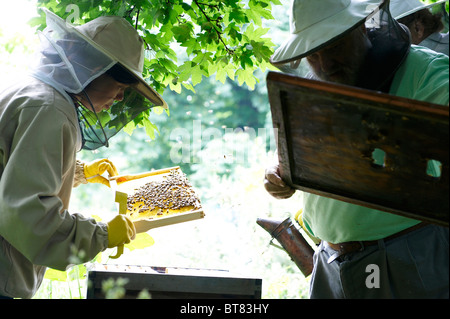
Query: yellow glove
299, 219
94, 170
121, 231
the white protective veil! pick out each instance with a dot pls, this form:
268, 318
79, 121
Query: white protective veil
71, 57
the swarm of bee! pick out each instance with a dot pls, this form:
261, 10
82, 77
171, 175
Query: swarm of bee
159, 198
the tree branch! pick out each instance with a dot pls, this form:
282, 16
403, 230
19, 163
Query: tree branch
219, 34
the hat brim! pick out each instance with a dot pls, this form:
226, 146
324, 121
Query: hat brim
319, 35
405, 14
142, 87
146, 90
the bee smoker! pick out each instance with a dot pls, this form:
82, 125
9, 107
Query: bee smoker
292, 242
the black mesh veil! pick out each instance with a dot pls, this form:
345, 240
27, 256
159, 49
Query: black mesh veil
98, 128
390, 45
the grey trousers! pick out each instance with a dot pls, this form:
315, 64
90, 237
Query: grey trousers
414, 265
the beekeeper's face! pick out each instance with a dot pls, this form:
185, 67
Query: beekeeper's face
103, 92
341, 61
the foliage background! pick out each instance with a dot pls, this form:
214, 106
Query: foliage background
226, 170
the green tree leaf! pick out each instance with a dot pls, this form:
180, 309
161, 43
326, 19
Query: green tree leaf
150, 128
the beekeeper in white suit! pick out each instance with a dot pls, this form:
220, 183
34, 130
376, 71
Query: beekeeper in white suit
44, 120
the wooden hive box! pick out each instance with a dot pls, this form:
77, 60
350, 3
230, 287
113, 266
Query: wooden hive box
327, 134
174, 283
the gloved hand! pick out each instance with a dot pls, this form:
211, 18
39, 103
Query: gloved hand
275, 186
94, 170
121, 231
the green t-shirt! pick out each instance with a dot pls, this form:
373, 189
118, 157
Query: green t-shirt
424, 76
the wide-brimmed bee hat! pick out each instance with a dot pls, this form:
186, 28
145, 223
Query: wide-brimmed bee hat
403, 8
315, 24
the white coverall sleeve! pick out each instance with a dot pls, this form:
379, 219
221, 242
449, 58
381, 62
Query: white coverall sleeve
38, 173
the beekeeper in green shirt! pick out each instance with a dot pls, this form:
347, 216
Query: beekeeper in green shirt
81, 72
358, 43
